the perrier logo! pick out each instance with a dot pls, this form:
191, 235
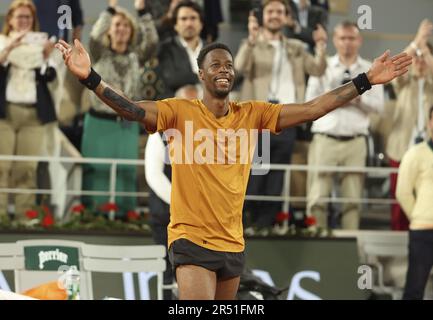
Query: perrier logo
52, 255
50, 258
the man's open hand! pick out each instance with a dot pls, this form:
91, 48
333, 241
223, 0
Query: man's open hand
76, 58
385, 69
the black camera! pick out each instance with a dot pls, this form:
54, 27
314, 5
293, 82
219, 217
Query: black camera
419, 139
346, 77
258, 13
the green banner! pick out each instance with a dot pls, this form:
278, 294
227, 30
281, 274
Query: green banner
50, 258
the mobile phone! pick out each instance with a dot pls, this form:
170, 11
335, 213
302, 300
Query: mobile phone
35, 38
258, 13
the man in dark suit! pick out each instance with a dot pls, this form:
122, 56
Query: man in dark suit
177, 55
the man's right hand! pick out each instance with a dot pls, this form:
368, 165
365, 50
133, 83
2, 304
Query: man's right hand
76, 58
253, 27
112, 3
16, 41
425, 29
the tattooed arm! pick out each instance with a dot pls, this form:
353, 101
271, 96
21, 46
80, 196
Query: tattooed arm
383, 70
144, 112
78, 62
293, 114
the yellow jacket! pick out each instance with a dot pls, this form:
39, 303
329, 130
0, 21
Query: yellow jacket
415, 185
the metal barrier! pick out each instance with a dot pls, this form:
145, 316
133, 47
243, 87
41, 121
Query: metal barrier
285, 197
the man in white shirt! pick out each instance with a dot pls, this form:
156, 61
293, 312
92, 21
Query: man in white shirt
340, 137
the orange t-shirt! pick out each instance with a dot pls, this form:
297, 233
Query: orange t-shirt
211, 161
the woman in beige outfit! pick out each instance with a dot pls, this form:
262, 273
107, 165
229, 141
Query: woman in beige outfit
25, 102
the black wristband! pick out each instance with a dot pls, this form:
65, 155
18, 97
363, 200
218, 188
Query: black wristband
92, 81
362, 83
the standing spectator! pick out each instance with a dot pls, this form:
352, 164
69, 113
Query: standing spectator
48, 17
415, 194
340, 136
66, 101
274, 68
116, 45
213, 16
165, 24
178, 55
324, 4
410, 114
26, 105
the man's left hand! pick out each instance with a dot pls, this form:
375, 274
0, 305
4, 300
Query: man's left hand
140, 4
386, 68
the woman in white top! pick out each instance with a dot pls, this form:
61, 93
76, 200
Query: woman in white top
25, 101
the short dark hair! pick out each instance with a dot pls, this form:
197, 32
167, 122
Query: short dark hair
284, 2
208, 48
347, 24
188, 4
431, 113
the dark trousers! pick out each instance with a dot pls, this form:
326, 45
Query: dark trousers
159, 234
263, 212
420, 263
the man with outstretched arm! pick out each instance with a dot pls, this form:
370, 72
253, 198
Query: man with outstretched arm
205, 234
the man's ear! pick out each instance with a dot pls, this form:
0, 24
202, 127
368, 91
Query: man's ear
200, 74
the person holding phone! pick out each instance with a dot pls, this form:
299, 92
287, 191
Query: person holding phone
274, 69
26, 105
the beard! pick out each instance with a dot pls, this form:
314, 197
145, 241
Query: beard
189, 34
221, 93
274, 28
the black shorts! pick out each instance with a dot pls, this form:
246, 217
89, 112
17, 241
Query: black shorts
226, 265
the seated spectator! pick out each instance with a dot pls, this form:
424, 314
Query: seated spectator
26, 105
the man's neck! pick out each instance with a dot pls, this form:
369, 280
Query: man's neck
192, 43
218, 106
119, 47
270, 36
348, 60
